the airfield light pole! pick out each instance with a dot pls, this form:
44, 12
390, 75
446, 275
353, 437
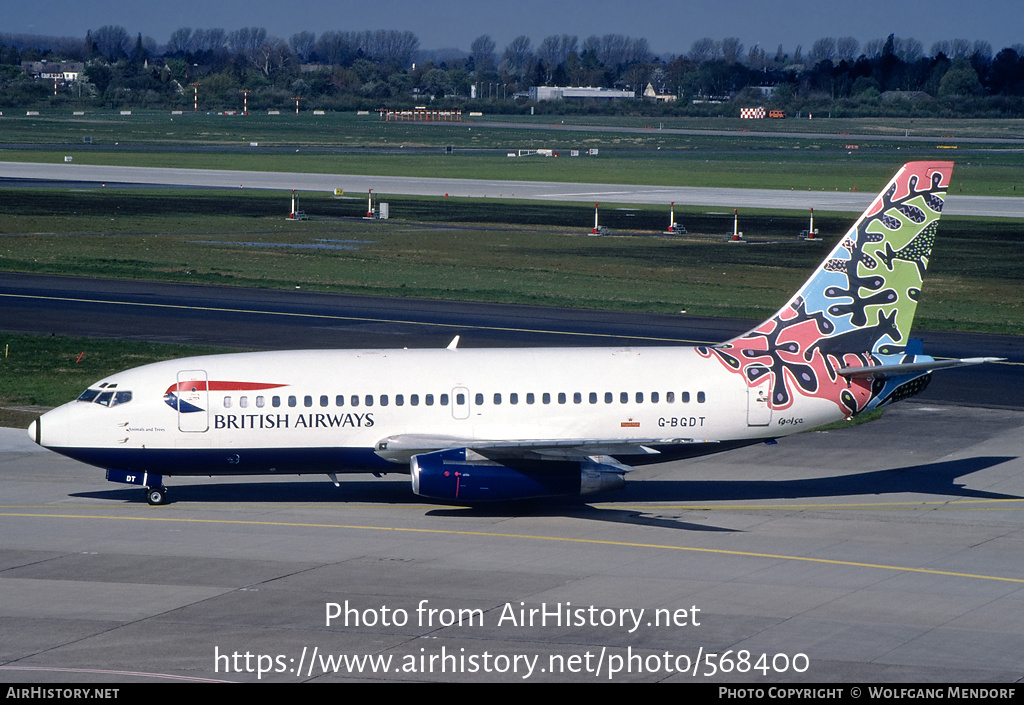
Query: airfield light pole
595, 217
245, 101
672, 216
297, 104
735, 223
810, 232
195, 97
369, 204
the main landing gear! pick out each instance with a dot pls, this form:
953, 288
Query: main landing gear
156, 493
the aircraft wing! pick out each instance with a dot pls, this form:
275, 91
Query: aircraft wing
402, 447
887, 371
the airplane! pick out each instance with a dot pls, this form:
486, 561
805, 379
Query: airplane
471, 425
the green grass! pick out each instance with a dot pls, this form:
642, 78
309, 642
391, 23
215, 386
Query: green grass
485, 250
51, 370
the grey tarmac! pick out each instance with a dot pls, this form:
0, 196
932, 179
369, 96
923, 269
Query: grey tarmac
879, 553
481, 188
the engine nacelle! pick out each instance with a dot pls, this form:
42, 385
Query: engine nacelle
462, 475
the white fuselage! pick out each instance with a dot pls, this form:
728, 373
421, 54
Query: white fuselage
243, 413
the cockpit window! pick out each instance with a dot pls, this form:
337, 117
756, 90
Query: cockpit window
88, 395
108, 397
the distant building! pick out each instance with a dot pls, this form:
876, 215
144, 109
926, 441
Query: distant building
539, 93
60, 71
649, 92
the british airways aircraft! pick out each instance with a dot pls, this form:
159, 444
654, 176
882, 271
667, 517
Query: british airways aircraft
496, 424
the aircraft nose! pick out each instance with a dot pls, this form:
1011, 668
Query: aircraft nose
33, 430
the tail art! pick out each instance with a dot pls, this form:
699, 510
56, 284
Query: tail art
852, 318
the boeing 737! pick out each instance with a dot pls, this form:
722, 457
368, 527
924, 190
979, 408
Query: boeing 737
502, 424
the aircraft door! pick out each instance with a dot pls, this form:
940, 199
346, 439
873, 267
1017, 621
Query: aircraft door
193, 401
460, 403
759, 410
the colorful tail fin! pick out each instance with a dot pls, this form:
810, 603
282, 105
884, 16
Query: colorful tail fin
858, 306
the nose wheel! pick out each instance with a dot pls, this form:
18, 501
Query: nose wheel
156, 495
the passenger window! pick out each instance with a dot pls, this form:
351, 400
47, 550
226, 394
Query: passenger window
561, 397
654, 397
292, 401
497, 398
307, 401
460, 399
260, 401
513, 398
368, 399
623, 397
593, 398
243, 402
670, 397
354, 400
545, 398
429, 399
685, 396
227, 402
383, 399
414, 399
324, 400
399, 400
639, 397
275, 401
577, 398
479, 399
700, 397
339, 400
444, 400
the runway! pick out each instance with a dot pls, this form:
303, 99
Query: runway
879, 553
528, 190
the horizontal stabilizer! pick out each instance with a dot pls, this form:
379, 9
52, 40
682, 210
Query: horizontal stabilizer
909, 368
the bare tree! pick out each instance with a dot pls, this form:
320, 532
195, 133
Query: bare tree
619, 50
732, 50
981, 50
959, 47
823, 49
847, 48
908, 49
247, 41
518, 56
112, 41
303, 44
873, 48
554, 50
703, 50
482, 51
208, 40
179, 41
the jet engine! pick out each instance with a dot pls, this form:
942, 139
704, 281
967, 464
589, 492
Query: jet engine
461, 474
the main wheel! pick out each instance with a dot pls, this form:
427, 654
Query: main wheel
156, 495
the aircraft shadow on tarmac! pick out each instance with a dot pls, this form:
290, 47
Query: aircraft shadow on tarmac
926, 479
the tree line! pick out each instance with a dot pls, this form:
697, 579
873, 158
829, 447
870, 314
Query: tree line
346, 70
